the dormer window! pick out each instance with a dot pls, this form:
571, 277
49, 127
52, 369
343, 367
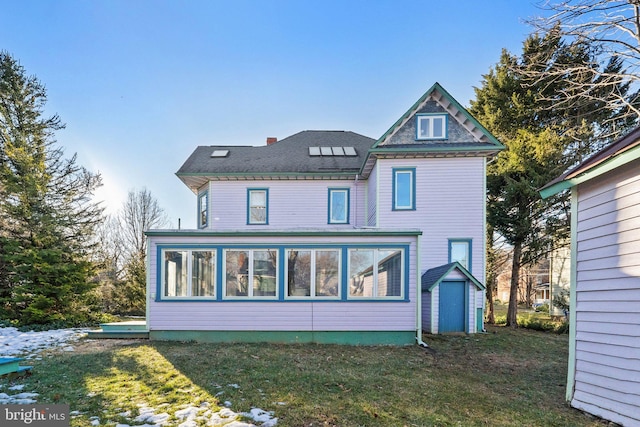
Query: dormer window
431, 126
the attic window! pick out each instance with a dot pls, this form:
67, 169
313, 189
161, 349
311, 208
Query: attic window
431, 126
332, 151
220, 153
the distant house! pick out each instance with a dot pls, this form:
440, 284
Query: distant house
323, 236
604, 346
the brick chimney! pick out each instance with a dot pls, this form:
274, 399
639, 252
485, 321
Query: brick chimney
271, 140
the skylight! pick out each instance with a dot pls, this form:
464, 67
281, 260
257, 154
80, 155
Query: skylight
332, 151
219, 153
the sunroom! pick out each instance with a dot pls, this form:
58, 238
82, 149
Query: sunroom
349, 286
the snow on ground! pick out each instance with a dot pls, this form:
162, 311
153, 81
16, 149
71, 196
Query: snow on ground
14, 343
27, 344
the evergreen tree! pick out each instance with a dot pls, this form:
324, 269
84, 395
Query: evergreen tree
542, 141
45, 204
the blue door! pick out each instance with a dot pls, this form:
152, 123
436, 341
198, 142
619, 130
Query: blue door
452, 307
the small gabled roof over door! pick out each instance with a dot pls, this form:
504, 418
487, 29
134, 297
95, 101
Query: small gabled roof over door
432, 277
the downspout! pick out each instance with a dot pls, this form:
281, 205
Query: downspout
419, 295
484, 241
355, 217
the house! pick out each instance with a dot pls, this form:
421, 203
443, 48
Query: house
604, 340
324, 236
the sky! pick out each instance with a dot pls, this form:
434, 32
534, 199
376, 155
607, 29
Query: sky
140, 84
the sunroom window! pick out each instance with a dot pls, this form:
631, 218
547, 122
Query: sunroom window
251, 273
375, 273
313, 273
431, 126
189, 273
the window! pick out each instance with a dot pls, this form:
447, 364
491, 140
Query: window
313, 273
203, 209
460, 250
251, 273
338, 206
375, 273
404, 189
188, 273
431, 126
258, 204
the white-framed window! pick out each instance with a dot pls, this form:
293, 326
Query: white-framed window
251, 273
257, 206
338, 206
188, 273
431, 126
312, 273
203, 209
376, 273
404, 189
460, 251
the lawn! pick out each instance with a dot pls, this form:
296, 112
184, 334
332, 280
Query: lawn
505, 377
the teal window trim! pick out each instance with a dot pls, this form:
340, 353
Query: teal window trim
203, 211
347, 203
219, 285
469, 243
427, 120
377, 264
396, 192
250, 191
161, 274
251, 274
313, 274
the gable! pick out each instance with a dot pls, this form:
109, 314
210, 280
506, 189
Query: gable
464, 135
432, 277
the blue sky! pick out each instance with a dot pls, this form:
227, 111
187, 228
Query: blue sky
141, 83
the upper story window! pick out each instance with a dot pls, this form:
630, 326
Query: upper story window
431, 126
189, 274
257, 206
404, 189
338, 206
313, 273
376, 273
251, 273
460, 251
203, 209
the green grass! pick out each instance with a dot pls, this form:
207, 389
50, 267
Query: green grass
502, 378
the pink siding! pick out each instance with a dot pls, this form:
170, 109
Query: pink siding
291, 203
450, 201
282, 316
607, 376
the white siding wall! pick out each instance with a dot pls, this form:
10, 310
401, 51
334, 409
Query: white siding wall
291, 203
282, 316
607, 357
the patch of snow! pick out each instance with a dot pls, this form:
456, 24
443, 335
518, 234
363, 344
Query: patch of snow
18, 399
26, 344
17, 387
